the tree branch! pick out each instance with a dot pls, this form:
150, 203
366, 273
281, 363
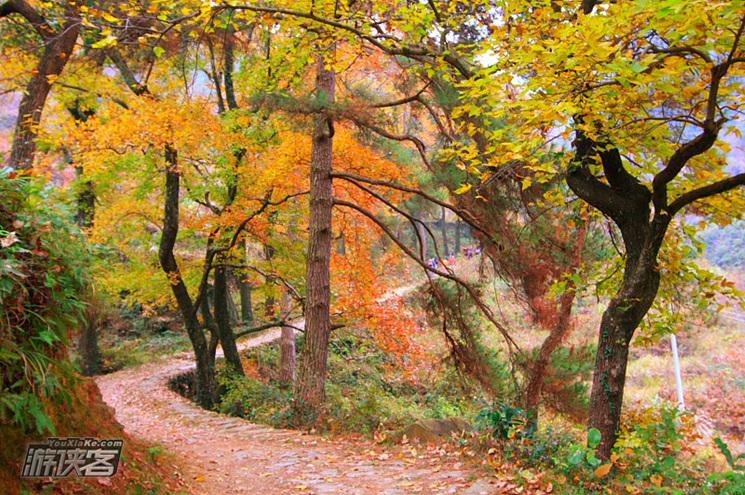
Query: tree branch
418, 143
511, 344
700, 144
712, 189
23, 8
404, 100
465, 216
398, 49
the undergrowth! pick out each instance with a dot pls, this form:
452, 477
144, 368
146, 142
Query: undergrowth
658, 452
364, 392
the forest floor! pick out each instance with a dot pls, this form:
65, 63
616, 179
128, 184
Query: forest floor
221, 454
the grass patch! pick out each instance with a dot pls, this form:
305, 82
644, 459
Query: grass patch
140, 349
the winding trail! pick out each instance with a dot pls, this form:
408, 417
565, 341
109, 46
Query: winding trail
227, 455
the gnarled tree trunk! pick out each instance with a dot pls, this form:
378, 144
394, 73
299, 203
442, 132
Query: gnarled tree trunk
620, 320
204, 382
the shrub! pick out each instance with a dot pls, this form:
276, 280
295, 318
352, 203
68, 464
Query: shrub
654, 453
363, 395
42, 282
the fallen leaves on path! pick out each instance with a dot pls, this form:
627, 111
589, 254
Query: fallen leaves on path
222, 454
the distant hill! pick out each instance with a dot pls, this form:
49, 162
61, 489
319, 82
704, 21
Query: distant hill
725, 246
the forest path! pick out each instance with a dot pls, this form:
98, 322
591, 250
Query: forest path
228, 455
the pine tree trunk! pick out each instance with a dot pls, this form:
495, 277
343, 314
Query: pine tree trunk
422, 240
245, 288
558, 331
270, 302
309, 387
222, 315
538, 369
233, 313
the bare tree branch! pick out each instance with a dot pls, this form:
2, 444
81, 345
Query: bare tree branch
511, 344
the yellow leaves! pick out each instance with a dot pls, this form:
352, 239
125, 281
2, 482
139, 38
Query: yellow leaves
463, 189
106, 42
108, 17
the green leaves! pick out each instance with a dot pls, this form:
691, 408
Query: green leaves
593, 438
41, 282
26, 410
733, 461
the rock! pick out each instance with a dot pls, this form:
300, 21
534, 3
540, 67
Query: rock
433, 430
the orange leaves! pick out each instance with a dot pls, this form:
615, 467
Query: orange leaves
603, 470
362, 278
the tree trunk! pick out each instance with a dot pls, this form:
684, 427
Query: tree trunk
247, 312
86, 201
457, 236
90, 357
209, 322
222, 315
270, 302
229, 67
444, 230
58, 48
620, 320
204, 382
88, 348
309, 387
617, 327
287, 344
234, 316
86, 193
422, 240
559, 330
550, 344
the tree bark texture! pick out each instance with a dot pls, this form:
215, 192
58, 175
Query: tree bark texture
58, 47
310, 384
222, 315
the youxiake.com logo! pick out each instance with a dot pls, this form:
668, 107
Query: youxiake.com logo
62, 457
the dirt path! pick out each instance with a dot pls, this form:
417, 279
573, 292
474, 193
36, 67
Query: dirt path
227, 455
